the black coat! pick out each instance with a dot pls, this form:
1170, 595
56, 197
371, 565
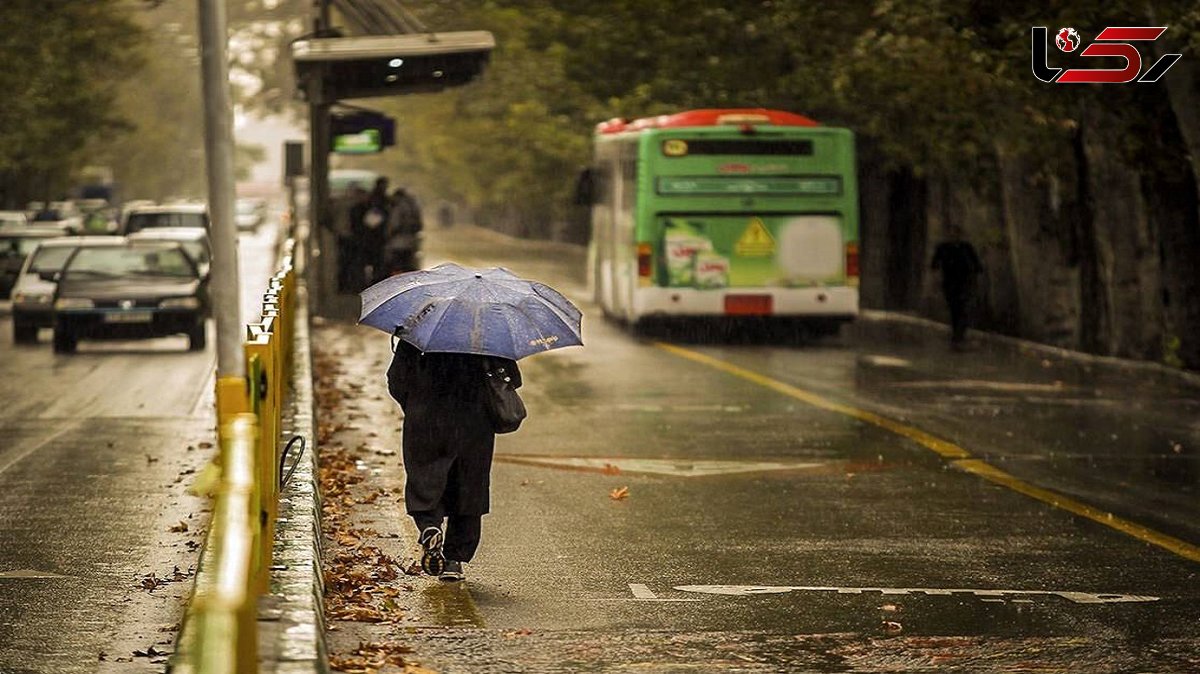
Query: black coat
448, 437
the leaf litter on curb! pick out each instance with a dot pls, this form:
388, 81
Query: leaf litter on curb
360, 579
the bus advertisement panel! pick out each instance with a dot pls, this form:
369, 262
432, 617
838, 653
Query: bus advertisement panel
725, 212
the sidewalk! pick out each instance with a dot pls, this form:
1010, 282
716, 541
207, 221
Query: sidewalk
366, 536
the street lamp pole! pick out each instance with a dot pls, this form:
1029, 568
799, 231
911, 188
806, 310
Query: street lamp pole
219, 149
319, 147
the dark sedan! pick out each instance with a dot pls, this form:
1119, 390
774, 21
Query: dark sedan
130, 290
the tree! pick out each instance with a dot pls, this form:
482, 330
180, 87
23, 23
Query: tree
62, 60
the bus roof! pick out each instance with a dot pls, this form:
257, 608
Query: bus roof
706, 117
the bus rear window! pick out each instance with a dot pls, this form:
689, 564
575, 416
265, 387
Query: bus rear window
738, 147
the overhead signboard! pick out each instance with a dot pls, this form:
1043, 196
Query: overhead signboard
360, 131
362, 67
364, 142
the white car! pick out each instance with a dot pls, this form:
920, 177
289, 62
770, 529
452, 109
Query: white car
13, 219
193, 239
166, 215
33, 292
63, 214
250, 213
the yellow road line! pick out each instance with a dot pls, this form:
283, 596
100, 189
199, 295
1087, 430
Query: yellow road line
960, 458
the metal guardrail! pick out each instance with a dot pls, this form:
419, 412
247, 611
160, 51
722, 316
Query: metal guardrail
220, 633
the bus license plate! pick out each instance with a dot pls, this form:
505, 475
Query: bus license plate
748, 305
129, 317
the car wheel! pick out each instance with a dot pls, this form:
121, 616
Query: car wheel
24, 333
197, 338
65, 341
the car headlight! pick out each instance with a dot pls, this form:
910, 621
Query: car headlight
73, 303
179, 303
32, 298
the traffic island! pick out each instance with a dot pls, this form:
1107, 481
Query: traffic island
291, 614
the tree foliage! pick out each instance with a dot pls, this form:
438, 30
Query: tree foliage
62, 60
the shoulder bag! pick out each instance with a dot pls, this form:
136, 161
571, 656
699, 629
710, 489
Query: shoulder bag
505, 408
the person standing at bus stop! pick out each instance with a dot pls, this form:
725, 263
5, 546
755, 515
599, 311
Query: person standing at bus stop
956, 259
368, 225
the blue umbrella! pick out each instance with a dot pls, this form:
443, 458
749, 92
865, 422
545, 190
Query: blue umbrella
492, 312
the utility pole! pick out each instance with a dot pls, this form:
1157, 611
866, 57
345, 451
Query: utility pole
319, 147
218, 148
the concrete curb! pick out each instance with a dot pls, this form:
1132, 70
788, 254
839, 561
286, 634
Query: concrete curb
873, 322
292, 614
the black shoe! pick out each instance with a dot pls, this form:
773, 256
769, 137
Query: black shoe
453, 573
433, 562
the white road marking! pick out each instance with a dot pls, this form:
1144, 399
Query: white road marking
641, 591
885, 361
1077, 597
29, 573
671, 467
53, 436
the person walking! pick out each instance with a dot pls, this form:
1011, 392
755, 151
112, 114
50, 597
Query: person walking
448, 440
956, 259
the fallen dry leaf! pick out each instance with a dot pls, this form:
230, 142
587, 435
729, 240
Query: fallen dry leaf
619, 494
892, 626
179, 528
610, 469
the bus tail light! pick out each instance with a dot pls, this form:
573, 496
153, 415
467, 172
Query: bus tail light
645, 259
852, 260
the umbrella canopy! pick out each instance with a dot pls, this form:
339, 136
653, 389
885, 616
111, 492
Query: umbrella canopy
454, 309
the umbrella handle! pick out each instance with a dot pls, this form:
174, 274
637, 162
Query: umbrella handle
396, 337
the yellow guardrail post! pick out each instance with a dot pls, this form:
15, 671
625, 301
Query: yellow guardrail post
220, 634
259, 352
224, 608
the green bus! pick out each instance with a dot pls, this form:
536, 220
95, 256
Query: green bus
735, 212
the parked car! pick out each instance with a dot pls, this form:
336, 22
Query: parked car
13, 219
33, 293
167, 215
16, 243
129, 290
250, 213
193, 239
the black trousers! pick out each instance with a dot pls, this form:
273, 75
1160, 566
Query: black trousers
957, 301
462, 532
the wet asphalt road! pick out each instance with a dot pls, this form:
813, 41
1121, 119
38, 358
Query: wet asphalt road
96, 450
807, 539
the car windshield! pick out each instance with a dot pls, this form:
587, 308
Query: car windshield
133, 261
196, 250
140, 221
48, 216
50, 259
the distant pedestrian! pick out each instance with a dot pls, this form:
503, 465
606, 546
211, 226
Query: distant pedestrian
350, 259
368, 226
404, 232
959, 265
448, 442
